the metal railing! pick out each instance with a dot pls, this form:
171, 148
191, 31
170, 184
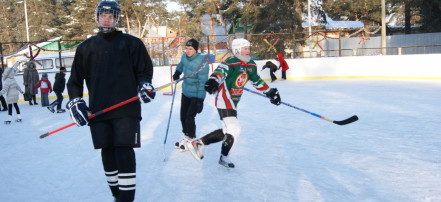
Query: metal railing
420, 49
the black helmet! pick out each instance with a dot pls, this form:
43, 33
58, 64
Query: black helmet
107, 6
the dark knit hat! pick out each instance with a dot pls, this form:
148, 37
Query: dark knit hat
193, 43
62, 69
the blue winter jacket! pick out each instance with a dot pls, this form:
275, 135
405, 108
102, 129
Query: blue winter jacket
193, 87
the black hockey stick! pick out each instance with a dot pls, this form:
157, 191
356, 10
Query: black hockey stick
342, 122
202, 65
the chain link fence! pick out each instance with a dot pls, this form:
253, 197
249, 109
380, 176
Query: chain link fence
166, 51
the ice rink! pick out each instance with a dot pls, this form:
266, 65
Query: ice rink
392, 153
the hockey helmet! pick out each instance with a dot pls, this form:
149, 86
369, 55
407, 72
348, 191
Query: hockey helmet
108, 6
237, 44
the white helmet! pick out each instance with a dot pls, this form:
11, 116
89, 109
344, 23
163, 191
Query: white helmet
237, 45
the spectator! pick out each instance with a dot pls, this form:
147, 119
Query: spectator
45, 87
273, 68
283, 64
11, 89
2, 99
30, 79
59, 85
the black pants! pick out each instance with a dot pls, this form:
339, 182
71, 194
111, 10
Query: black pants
3, 101
33, 97
284, 75
10, 109
188, 114
58, 101
273, 76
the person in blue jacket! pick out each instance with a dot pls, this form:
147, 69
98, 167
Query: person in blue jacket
193, 92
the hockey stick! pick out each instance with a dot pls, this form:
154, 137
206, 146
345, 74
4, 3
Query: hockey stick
92, 116
342, 122
169, 117
202, 65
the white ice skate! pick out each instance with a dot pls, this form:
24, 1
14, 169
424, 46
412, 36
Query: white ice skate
195, 148
181, 145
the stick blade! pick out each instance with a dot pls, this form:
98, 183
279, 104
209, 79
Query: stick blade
347, 121
44, 135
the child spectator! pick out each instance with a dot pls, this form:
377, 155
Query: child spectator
59, 86
45, 87
273, 68
11, 89
283, 64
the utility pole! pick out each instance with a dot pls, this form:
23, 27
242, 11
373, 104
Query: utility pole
383, 27
309, 27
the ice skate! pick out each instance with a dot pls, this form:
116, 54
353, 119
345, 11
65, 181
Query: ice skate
61, 111
7, 122
195, 148
18, 120
51, 108
225, 161
181, 145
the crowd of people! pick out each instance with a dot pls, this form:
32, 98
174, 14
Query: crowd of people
10, 88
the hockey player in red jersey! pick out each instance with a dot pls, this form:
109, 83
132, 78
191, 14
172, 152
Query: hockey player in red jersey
228, 81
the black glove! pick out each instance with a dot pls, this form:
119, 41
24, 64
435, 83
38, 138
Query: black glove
146, 92
274, 96
199, 105
211, 85
176, 75
78, 111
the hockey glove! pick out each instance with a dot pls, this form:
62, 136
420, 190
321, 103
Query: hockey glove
176, 75
211, 85
199, 105
274, 96
78, 111
146, 92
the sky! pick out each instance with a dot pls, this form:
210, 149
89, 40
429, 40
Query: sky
173, 6
392, 153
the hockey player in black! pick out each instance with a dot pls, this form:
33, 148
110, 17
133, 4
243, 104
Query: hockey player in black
115, 67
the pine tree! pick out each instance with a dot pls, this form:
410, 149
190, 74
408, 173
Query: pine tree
431, 15
82, 19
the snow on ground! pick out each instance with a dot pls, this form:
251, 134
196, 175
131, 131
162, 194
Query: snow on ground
393, 153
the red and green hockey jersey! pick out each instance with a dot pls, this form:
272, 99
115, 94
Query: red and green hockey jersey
233, 74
